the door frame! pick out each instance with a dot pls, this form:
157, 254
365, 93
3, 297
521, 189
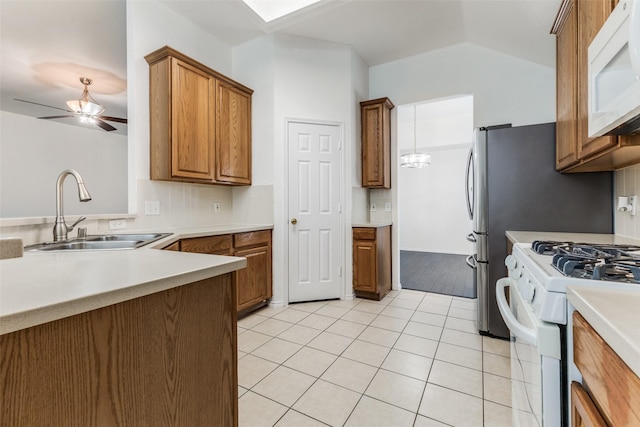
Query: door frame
285, 200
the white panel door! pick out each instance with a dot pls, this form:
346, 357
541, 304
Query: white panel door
314, 211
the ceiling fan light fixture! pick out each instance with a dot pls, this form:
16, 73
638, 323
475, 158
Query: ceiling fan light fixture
86, 105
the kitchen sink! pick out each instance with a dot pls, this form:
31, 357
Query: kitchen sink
100, 242
147, 237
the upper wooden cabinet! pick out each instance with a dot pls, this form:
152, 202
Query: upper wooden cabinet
376, 143
576, 25
200, 122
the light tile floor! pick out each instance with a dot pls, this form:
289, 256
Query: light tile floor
412, 359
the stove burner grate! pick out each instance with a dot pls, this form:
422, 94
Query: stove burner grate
619, 263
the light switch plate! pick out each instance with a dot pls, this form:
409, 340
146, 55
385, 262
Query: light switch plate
117, 224
373, 207
387, 207
152, 207
217, 206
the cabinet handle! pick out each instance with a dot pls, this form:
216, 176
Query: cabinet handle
294, 221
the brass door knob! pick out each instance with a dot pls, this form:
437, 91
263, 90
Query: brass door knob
294, 221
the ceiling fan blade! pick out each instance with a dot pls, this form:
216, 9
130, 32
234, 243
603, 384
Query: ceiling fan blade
104, 125
113, 119
43, 105
54, 117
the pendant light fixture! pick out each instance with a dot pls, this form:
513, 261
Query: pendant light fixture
415, 159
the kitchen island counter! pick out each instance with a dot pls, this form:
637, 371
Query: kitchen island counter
41, 287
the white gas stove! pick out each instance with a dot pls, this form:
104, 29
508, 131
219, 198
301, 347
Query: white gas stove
537, 316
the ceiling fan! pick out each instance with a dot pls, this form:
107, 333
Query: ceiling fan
85, 108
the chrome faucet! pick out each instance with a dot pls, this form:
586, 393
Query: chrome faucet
61, 229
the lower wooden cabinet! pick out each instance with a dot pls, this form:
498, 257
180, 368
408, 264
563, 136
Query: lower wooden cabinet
164, 359
613, 397
584, 412
372, 262
253, 283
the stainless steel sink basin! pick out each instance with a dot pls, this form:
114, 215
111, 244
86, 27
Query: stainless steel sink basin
100, 242
146, 237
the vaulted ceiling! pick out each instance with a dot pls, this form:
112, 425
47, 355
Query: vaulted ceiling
46, 45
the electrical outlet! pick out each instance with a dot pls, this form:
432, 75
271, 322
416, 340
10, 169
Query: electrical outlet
217, 206
387, 207
117, 224
373, 207
152, 207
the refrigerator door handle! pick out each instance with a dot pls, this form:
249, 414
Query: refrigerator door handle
471, 238
471, 262
469, 196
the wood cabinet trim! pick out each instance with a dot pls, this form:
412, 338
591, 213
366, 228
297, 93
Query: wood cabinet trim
166, 51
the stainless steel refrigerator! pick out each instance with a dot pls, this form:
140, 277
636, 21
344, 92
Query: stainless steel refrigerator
512, 184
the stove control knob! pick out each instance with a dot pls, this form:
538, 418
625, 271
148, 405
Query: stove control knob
516, 273
511, 262
526, 289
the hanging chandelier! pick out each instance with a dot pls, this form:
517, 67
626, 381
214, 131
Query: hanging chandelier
415, 159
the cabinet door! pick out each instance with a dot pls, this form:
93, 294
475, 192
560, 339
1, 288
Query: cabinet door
376, 143
193, 122
566, 86
591, 16
583, 411
365, 269
233, 135
254, 282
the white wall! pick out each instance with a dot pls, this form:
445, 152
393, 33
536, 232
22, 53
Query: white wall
298, 79
505, 89
627, 183
432, 211
34, 152
150, 26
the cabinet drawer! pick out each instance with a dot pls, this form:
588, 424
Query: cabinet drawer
364, 234
251, 238
175, 246
208, 245
615, 388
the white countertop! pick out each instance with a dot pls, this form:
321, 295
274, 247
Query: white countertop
530, 236
615, 315
44, 286
371, 224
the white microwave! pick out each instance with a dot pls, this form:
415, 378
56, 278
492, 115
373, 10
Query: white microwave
614, 73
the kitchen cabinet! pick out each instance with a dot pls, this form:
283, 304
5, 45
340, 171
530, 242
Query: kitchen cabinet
610, 393
372, 262
200, 122
253, 283
577, 23
376, 143
167, 358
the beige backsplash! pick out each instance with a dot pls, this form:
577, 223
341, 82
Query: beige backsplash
627, 183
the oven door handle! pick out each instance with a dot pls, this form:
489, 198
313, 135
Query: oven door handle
526, 335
